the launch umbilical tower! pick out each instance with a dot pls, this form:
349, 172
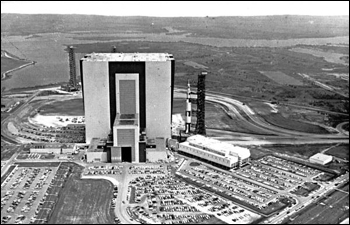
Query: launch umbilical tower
200, 126
72, 69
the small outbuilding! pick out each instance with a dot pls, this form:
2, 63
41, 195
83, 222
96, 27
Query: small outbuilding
320, 158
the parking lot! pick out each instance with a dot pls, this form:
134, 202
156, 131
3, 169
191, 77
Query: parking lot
103, 170
22, 192
167, 199
144, 169
259, 185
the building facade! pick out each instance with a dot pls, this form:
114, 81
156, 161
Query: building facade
129, 95
218, 153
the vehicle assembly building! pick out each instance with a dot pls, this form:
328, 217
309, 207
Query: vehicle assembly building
128, 97
218, 153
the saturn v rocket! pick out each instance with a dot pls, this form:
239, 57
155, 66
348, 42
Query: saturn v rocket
188, 109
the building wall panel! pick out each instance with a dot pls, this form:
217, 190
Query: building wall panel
158, 99
96, 99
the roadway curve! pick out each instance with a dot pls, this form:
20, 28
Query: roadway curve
12, 115
274, 134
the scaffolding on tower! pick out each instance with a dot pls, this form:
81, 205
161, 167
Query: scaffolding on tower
200, 126
72, 68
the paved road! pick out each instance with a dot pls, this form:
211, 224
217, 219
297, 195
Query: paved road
13, 114
277, 135
340, 128
184, 89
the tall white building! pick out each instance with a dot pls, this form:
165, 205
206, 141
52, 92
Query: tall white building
130, 95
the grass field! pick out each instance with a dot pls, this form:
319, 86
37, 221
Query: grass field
300, 150
83, 201
328, 56
74, 107
341, 151
280, 121
335, 210
281, 78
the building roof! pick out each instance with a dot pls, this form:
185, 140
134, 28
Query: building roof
322, 157
128, 57
126, 120
96, 145
219, 146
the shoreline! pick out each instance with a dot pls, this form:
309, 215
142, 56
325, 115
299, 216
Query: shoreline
6, 75
8, 91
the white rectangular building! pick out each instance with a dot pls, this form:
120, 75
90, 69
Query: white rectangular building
216, 152
320, 158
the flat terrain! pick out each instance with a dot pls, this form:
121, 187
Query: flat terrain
73, 107
83, 201
305, 151
280, 121
281, 78
226, 27
341, 151
327, 55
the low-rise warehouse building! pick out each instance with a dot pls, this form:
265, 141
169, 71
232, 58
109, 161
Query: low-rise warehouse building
320, 158
216, 152
55, 148
97, 151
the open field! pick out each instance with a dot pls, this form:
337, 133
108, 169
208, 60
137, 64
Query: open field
341, 49
333, 210
264, 27
281, 78
83, 201
195, 65
280, 121
304, 151
328, 56
341, 151
73, 107
52, 66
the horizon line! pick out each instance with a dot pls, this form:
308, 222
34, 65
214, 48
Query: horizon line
81, 14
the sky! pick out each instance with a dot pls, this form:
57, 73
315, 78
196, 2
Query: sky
179, 8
